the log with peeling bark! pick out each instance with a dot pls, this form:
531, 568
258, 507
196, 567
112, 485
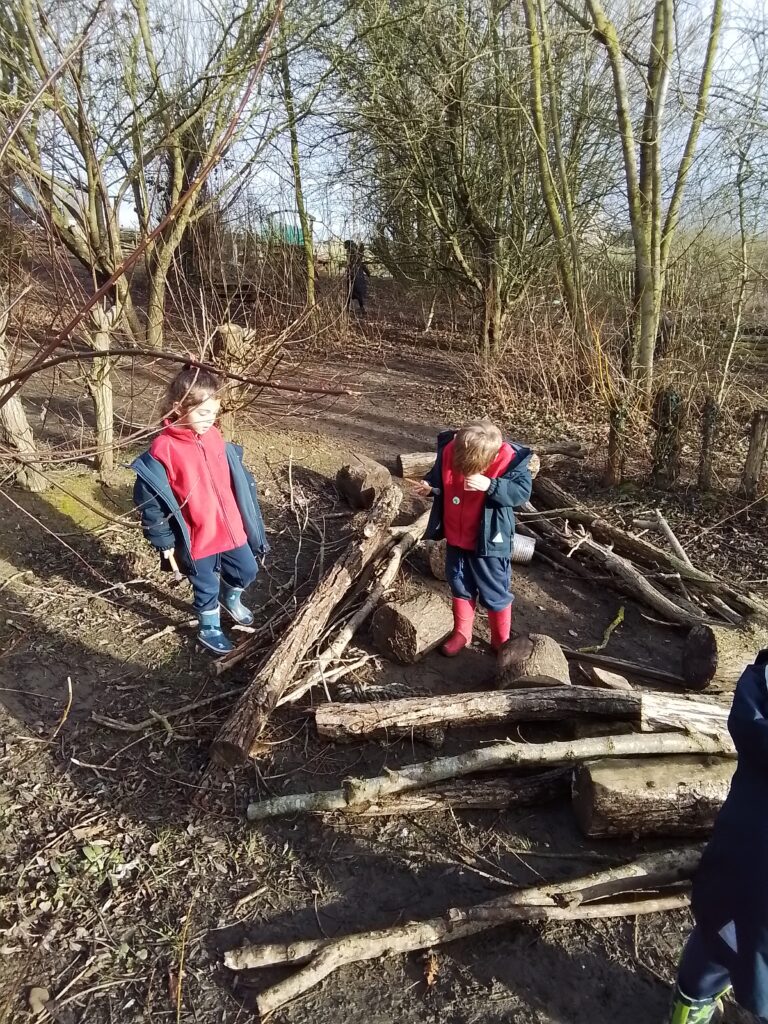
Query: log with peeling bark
655, 712
241, 735
670, 796
384, 580
362, 480
531, 659
405, 631
639, 550
717, 655
357, 794
491, 793
415, 465
649, 885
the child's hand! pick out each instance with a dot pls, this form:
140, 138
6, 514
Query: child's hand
477, 482
534, 465
169, 552
423, 489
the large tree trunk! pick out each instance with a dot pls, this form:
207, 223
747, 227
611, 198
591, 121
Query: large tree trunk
15, 430
98, 377
240, 736
654, 712
719, 654
670, 796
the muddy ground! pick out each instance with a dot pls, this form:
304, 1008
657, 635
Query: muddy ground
118, 893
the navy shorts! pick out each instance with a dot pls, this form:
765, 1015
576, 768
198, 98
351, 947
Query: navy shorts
486, 579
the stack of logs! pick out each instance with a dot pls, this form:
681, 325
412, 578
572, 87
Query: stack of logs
647, 762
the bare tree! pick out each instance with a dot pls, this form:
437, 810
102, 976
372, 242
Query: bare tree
129, 118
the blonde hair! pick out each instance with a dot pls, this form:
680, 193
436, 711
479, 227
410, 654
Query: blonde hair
476, 446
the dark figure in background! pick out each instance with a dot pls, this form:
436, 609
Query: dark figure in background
357, 276
728, 946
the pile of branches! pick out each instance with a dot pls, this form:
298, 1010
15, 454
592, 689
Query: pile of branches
662, 768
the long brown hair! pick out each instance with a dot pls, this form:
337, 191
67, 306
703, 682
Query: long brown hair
189, 388
476, 446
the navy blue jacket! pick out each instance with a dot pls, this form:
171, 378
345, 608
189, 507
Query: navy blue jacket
506, 492
161, 517
732, 881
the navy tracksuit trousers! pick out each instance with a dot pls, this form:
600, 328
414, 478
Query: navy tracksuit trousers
237, 568
474, 578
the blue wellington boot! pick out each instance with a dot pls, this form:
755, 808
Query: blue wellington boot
210, 633
230, 601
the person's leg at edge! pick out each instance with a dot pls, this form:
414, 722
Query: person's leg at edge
464, 601
239, 569
702, 979
205, 587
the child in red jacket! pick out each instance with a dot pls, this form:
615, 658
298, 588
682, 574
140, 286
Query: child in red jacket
477, 480
199, 504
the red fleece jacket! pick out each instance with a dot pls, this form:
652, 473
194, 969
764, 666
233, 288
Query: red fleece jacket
199, 475
462, 509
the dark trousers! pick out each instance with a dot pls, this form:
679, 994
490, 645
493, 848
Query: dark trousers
473, 578
707, 961
236, 568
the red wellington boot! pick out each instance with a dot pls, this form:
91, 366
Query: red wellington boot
463, 619
501, 627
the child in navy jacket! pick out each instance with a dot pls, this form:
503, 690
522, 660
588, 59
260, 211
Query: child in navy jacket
199, 505
729, 943
476, 481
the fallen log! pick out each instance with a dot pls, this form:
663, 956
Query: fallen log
240, 736
638, 549
660, 882
357, 794
655, 712
362, 480
674, 796
719, 654
386, 578
492, 793
531, 659
416, 465
405, 631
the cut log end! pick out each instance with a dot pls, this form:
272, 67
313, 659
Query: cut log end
718, 655
362, 480
531, 659
670, 796
407, 630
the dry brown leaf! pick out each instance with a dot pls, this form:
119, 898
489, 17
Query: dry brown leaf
431, 968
